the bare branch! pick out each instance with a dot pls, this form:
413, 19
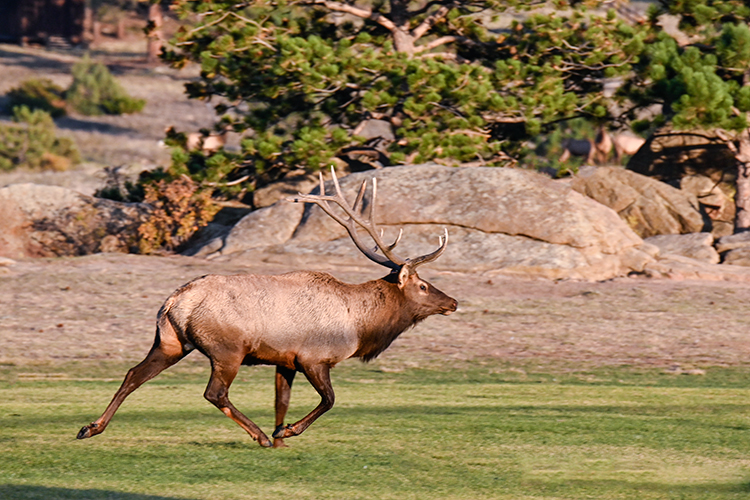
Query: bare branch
208, 25
429, 22
356, 11
443, 40
569, 66
445, 55
230, 183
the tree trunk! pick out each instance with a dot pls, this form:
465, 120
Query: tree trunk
403, 42
742, 198
121, 28
154, 38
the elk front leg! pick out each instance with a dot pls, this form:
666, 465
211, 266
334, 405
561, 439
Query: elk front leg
217, 392
161, 357
320, 378
284, 379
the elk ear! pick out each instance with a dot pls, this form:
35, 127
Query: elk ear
403, 275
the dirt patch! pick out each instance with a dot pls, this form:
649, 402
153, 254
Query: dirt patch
102, 307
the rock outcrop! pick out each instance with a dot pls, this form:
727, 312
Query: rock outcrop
716, 202
698, 246
670, 155
735, 249
650, 207
51, 221
499, 219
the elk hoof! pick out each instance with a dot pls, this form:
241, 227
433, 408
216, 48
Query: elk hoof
283, 431
265, 442
87, 431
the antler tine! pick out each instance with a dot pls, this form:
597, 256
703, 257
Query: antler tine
360, 196
368, 225
434, 255
321, 200
388, 259
398, 238
386, 249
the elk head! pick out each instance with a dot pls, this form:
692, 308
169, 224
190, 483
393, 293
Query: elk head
428, 299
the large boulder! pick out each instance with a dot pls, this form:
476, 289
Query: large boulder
716, 201
735, 249
650, 207
698, 246
499, 219
290, 185
51, 221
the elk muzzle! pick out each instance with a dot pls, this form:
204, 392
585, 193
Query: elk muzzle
450, 308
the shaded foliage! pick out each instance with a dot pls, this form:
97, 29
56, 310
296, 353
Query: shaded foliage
33, 143
40, 94
700, 77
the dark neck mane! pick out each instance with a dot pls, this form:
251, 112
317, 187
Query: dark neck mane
384, 315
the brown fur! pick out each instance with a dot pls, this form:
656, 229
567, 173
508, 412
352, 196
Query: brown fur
207, 143
301, 321
626, 145
596, 151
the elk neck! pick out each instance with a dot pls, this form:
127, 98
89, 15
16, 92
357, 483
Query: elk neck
383, 314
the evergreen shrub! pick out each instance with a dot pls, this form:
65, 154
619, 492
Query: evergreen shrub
40, 94
95, 91
33, 143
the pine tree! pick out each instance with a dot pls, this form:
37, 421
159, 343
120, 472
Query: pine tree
701, 77
304, 75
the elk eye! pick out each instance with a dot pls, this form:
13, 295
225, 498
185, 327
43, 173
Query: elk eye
423, 287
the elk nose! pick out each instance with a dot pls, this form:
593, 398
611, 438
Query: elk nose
451, 307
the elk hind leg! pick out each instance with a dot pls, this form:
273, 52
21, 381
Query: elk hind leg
284, 379
165, 352
320, 378
217, 392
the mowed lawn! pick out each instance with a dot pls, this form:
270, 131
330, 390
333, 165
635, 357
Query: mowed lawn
470, 433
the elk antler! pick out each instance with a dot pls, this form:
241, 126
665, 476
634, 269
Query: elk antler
389, 259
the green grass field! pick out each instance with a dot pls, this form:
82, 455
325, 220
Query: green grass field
472, 433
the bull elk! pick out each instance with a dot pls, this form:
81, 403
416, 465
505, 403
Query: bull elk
301, 321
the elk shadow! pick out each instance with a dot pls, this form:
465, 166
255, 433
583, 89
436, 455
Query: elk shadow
32, 492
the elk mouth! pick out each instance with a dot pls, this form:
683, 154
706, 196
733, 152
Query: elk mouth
447, 311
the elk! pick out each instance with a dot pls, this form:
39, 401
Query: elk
210, 143
204, 141
302, 321
626, 145
596, 151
